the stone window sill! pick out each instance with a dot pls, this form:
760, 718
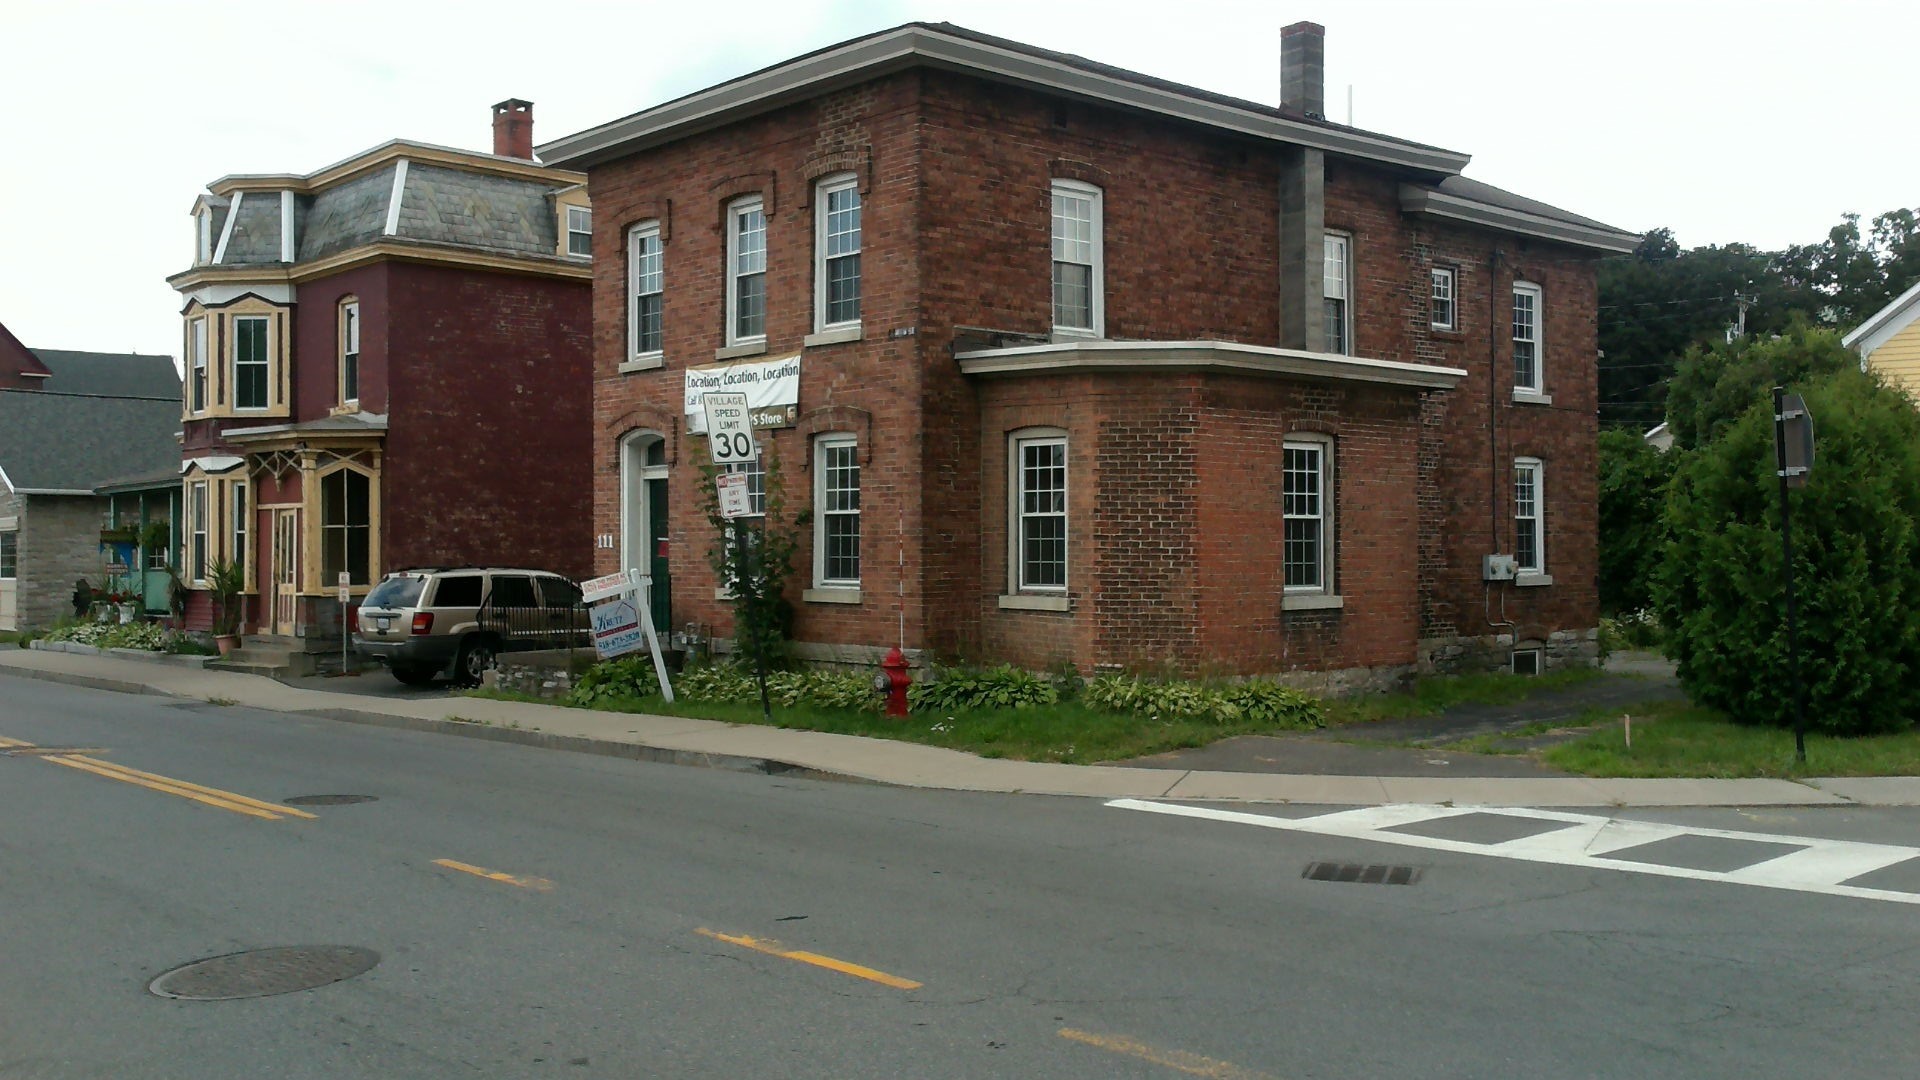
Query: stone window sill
832, 336
1528, 397
831, 596
1527, 581
1032, 602
649, 362
1312, 602
751, 348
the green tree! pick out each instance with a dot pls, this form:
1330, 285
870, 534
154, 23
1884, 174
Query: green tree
1633, 488
756, 573
1719, 590
1715, 385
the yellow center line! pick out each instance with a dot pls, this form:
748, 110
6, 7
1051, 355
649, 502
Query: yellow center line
169, 788
774, 948
1178, 1060
4, 741
524, 882
188, 786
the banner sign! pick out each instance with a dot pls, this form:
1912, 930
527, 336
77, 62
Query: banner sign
772, 388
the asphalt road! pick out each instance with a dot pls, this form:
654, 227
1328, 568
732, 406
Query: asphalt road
648, 920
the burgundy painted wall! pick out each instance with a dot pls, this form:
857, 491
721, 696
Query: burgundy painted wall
316, 341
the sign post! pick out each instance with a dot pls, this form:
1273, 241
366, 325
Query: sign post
731, 442
622, 619
346, 635
1793, 460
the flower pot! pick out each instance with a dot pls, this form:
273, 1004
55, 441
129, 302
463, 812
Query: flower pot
227, 643
127, 613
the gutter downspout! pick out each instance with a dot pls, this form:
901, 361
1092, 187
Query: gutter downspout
1493, 447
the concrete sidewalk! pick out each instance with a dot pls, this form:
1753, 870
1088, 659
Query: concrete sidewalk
750, 747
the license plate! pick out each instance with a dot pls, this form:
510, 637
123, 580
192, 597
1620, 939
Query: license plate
385, 623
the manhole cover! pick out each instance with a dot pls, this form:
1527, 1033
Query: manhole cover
1359, 874
328, 800
264, 972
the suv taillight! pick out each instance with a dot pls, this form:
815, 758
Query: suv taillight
423, 622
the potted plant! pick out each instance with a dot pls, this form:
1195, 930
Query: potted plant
225, 580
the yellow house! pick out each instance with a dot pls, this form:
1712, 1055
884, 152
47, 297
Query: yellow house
1889, 342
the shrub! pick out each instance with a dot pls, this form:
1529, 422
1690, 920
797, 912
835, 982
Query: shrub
1856, 566
632, 677
609, 680
1270, 703
1003, 687
136, 635
1258, 701
1633, 488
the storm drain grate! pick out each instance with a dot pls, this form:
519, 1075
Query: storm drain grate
328, 800
264, 972
1361, 873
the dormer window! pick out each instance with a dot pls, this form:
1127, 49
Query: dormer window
580, 231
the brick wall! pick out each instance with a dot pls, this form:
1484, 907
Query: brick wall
487, 443
317, 341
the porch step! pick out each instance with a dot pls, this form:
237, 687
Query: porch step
277, 658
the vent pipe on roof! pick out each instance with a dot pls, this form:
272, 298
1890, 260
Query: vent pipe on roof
1303, 49
513, 129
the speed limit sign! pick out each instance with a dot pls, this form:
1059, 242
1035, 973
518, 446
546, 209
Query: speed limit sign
729, 432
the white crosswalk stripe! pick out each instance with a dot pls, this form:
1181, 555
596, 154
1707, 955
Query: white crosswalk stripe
1815, 865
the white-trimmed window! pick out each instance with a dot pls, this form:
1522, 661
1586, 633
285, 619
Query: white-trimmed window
9, 555
197, 365
746, 271
159, 556
1529, 518
1528, 355
238, 503
1079, 279
252, 363
350, 352
1040, 513
1444, 312
1337, 272
197, 537
836, 517
1306, 511
646, 292
836, 254
346, 526
756, 473
579, 231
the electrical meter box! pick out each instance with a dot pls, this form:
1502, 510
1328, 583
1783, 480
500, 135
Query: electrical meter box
1499, 568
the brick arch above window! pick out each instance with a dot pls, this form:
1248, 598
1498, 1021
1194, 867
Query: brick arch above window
652, 211
858, 161
729, 188
838, 418
643, 418
1084, 171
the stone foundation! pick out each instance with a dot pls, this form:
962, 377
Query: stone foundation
1494, 652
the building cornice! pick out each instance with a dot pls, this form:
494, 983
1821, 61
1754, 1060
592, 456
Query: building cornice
1415, 199
911, 46
387, 153
389, 248
1225, 357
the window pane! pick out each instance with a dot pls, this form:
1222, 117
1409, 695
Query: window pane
649, 336
1303, 555
1073, 295
843, 222
1336, 327
9, 554
843, 289
1043, 514
843, 548
750, 241
461, 591
750, 306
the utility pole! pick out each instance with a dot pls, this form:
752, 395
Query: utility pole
1740, 320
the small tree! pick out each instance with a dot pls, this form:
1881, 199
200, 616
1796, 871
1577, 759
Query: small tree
755, 574
226, 581
1633, 491
1714, 386
1856, 545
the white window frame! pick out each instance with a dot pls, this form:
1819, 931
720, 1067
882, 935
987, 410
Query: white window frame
266, 361
1443, 299
350, 347
1017, 516
823, 193
1537, 338
199, 385
585, 229
1097, 275
1337, 248
1534, 519
636, 235
823, 449
737, 209
1322, 513
199, 525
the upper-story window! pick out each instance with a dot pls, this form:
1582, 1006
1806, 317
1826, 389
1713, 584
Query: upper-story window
579, 230
1444, 312
350, 352
1527, 352
252, 363
1337, 267
836, 268
646, 286
746, 271
197, 364
1078, 278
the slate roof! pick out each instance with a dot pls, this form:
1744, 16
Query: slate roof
111, 375
51, 441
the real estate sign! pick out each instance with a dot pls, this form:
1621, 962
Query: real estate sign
772, 388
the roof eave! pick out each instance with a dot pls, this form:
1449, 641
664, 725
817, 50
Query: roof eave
907, 46
1415, 199
1226, 357
1885, 317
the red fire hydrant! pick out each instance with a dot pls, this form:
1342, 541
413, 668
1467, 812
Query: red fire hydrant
893, 681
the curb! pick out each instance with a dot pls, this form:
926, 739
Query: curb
91, 682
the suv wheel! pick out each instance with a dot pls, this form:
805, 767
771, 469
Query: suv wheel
476, 656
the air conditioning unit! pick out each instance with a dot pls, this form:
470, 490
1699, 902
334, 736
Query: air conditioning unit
1499, 568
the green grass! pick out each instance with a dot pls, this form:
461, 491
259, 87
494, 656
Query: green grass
1439, 693
15, 637
1674, 739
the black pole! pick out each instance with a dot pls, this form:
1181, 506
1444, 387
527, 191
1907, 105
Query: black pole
1786, 552
750, 581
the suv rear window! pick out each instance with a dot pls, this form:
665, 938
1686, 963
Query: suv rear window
396, 592
559, 592
461, 591
515, 591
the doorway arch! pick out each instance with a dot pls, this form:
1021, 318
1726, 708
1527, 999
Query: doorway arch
644, 527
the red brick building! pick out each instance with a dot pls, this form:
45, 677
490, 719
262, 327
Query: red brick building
387, 365
1070, 365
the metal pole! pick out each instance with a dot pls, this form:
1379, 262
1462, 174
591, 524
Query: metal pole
749, 580
1786, 552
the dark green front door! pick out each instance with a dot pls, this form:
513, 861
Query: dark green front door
657, 536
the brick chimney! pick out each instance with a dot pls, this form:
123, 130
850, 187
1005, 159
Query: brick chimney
513, 129
1303, 51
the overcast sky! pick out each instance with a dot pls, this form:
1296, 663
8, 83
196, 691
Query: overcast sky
1753, 121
